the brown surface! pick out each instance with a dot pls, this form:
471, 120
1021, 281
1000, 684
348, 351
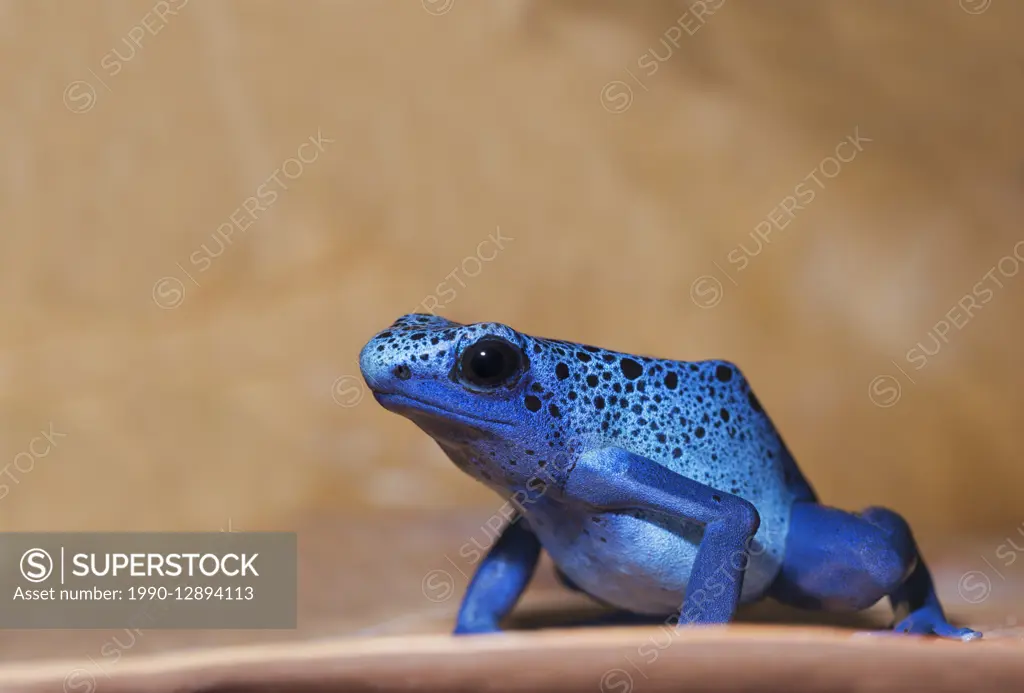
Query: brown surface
385, 621
739, 659
403, 572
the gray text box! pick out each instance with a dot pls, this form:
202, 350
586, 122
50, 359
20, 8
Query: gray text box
202, 580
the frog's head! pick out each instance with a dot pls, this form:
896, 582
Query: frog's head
486, 393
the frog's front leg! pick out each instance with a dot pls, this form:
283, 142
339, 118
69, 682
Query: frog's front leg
500, 580
612, 479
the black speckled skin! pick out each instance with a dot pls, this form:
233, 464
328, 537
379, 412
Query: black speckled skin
699, 419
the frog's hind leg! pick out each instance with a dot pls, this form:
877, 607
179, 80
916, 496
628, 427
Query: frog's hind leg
840, 561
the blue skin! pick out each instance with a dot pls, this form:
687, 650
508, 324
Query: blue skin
657, 487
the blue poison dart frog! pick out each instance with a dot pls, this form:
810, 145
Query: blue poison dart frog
657, 487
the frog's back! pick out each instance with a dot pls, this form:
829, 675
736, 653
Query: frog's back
704, 421
699, 419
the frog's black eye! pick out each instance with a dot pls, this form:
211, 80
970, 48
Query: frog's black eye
490, 362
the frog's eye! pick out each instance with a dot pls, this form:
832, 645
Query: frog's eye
490, 362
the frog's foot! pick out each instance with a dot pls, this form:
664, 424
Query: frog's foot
929, 620
479, 628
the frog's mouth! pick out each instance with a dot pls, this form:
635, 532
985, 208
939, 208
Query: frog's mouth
406, 404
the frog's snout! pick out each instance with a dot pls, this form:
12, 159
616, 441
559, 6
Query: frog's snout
410, 353
381, 368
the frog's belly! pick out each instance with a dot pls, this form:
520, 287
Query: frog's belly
642, 564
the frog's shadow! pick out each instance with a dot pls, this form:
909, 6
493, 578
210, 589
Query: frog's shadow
765, 612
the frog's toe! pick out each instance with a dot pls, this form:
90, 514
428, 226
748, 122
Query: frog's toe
930, 622
963, 634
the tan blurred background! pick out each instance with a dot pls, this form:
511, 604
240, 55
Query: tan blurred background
189, 385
